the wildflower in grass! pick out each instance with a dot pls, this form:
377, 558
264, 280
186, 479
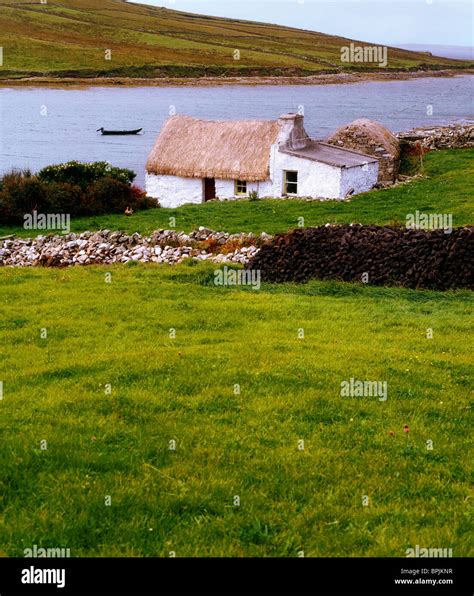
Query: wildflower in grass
406, 429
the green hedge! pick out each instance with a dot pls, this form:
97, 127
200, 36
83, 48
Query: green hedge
84, 174
74, 188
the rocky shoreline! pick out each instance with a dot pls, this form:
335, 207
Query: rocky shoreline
213, 81
440, 137
106, 248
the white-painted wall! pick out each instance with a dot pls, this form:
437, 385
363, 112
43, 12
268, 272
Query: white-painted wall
173, 191
225, 189
315, 179
359, 178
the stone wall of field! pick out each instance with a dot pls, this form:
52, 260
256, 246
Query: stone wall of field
105, 248
371, 254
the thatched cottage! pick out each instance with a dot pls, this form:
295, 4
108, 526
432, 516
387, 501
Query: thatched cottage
198, 160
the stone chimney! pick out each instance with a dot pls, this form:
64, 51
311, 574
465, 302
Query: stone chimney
292, 133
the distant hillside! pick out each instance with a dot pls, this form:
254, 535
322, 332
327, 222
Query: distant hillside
456, 52
70, 38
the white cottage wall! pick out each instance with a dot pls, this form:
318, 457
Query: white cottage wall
173, 191
225, 189
315, 179
359, 178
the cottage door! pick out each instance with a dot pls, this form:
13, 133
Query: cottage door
209, 189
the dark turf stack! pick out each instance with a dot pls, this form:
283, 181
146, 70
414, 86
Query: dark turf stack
390, 256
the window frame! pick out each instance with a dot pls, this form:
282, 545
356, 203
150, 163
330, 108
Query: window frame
286, 182
238, 182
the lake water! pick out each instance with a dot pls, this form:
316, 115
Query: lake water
42, 126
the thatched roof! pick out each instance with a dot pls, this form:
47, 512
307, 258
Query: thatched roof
194, 148
367, 136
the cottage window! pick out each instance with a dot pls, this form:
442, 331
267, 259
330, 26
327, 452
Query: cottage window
290, 185
240, 187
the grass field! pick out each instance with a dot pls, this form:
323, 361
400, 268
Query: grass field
448, 187
95, 387
70, 38
68, 444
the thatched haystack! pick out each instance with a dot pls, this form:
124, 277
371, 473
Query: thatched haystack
230, 150
371, 138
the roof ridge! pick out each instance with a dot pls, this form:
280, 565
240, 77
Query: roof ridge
266, 121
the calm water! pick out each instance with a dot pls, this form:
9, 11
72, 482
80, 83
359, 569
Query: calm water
40, 126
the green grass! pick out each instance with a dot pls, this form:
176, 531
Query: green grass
230, 444
448, 187
69, 38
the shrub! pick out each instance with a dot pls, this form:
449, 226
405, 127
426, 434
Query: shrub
74, 188
85, 174
64, 198
232, 245
107, 195
210, 245
139, 199
21, 194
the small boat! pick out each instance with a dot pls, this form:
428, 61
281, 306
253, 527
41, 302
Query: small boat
119, 132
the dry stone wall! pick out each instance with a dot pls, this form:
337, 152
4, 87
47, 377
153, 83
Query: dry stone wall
371, 254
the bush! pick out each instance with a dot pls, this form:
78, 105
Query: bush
85, 174
107, 195
64, 198
74, 188
139, 199
19, 195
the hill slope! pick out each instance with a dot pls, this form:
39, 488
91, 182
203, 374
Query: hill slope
71, 37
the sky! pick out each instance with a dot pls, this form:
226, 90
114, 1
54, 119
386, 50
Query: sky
388, 22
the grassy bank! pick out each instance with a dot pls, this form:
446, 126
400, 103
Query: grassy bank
70, 38
448, 187
229, 444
